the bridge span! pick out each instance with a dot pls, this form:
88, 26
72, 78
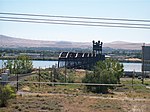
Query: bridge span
80, 60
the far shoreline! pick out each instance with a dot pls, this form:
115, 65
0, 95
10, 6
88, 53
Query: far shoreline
56, 59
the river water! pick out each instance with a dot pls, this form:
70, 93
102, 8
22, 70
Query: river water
46, 64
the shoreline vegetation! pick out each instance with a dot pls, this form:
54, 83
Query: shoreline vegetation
56, 59
40, 59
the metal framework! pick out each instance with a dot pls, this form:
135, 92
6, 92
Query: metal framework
145, 61
81, 60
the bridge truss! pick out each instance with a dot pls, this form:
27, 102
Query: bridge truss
81, 60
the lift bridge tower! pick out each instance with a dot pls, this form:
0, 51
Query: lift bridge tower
97, 48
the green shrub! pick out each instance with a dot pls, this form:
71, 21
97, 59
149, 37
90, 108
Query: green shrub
71, 78
105, 72
6, 92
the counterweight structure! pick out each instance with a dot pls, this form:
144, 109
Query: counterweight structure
81, 60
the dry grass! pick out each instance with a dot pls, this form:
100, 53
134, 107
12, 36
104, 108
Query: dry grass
60, 103
73, 98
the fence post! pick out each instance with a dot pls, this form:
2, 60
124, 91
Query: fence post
133, 77
17, 82
39, 77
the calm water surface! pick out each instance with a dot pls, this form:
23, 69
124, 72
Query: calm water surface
37, 64
132, 67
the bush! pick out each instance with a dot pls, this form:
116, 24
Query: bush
71, 78
6, 92
105, 72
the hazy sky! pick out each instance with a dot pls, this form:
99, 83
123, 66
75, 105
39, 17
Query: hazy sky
129, 9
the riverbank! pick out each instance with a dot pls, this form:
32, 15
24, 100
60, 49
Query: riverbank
38, 59
128, 61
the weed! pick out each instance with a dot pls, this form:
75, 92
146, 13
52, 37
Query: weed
16, 107
19, 109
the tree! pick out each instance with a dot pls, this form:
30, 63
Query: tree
24, 65
105, 72
21, 65
6, 92
10, 65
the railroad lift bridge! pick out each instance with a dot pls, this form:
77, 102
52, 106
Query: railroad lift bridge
81, 60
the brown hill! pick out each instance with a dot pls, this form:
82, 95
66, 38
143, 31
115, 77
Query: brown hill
6, 41
11, 42
124, 45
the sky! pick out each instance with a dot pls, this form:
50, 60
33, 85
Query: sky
128, 9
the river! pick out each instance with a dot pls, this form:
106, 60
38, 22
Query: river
46, 64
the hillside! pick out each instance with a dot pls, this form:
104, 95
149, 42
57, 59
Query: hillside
124, 45
7, 42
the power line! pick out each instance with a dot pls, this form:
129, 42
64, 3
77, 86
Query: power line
80, 24
56, 20
76, 17
72, 22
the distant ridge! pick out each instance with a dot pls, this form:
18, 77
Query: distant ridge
124, 45
8, 42
12, 42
